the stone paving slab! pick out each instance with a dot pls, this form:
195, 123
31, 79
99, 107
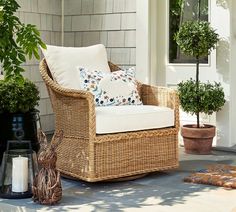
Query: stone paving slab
161, 191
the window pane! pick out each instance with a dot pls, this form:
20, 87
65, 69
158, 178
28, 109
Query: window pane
181, 11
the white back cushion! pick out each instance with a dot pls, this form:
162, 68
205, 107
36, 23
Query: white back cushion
63, 62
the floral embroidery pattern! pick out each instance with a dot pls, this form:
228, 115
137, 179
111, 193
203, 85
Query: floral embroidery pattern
115, 88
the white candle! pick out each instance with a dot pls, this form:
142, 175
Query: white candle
19, 174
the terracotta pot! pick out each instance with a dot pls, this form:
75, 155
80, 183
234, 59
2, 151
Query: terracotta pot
198, 140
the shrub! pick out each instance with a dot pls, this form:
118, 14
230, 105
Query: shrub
211, 97
196, 38
18, 97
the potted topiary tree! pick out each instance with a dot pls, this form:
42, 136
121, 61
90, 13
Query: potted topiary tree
18, 96
198, 39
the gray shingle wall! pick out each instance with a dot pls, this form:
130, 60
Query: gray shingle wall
46, 15
111, 22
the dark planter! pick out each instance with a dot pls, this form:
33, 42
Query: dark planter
15, 126
198, 140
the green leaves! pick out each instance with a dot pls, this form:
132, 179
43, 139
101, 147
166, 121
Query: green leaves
207, 99
28, 37
1, 14
18, 95
17, 40
196, 38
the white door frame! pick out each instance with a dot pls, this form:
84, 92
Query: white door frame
146, 43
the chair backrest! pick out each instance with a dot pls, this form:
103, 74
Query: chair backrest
47, 70
47, 76
112, 66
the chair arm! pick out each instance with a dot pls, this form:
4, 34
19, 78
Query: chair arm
161, 96
74, 112
74, 109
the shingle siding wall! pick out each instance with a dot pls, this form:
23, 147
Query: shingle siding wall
46, 15
111, 22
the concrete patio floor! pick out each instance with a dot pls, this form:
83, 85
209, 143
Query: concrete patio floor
161, 192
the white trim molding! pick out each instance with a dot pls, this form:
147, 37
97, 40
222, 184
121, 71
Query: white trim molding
142, 41
232, 76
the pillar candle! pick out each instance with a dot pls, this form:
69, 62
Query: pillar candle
19, 174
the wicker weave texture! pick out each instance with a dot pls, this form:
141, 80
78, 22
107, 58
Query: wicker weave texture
85, 155
134, 156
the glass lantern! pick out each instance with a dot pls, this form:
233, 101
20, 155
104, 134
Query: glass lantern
19, 167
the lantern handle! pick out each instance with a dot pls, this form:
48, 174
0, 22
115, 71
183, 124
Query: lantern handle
19, 134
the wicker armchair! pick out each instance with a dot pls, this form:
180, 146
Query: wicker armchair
85, 155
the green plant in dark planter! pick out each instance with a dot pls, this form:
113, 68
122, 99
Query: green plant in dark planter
198, 39
18, 96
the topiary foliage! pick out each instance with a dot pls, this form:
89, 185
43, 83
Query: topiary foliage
210, 97
196, 38
18, 97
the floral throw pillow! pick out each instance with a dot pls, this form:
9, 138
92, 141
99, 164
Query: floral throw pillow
115, 88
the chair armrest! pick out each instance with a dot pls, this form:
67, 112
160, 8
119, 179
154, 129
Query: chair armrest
74, 112
74, 109
161, 96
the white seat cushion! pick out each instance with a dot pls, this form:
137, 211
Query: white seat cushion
113, 119
63, 62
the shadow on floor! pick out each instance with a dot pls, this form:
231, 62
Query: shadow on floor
156, 189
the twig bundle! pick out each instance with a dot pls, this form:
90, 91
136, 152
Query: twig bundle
47, 183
